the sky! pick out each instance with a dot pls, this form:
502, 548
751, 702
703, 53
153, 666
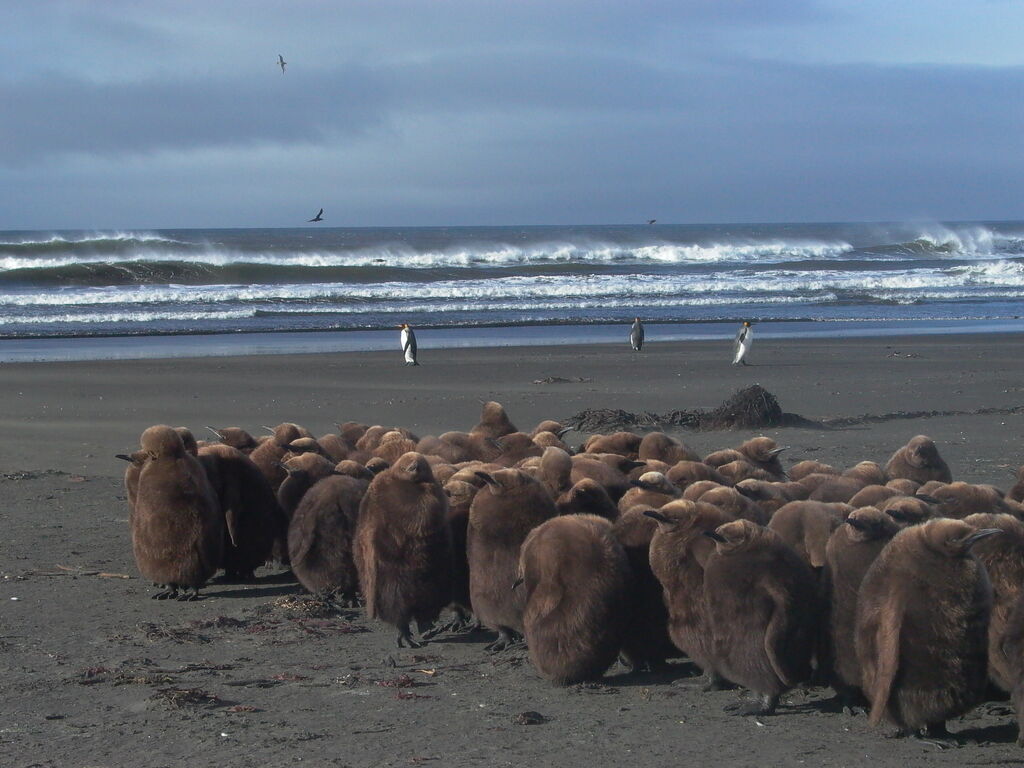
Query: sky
123, 115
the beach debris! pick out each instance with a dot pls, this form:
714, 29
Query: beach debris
402, 681
186, 698
752, 407
563, 380
529, 718
82, 570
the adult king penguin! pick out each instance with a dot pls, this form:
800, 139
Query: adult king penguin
744, 338
408, 344
636, 335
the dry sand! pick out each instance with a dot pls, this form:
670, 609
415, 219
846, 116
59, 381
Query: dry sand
96, 674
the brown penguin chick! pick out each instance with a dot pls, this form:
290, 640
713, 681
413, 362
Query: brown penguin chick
623, 443
686, 473
392, 445
460, 500
768, 496
302, 472
556, 471
515, 447
812, 481
904, 486
467, 472
741, 469
307, 445
587, 497
494, 422
922, 627
333, 447
849, 553
403, 547
694, 491
457, 447
919, 460
1016, 493
652, 489
763, 452
735, 504
612, 478
763, 609
646, 643
837, 489
649, 465
806, 527
236, 437
378, 465
320, 536
576, 578
658, 445
253, 519
549, 440
679, 550
802, 469
270, 453
926, 489
959, 499
907, 510
723, 457
873, 496
131, 477
868, 472
1003, 558
443, 472
353, 469
371, 438
1012, 646
351, 431
502, 514
177, 527
549, 425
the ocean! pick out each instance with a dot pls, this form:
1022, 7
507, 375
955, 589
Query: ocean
72, 285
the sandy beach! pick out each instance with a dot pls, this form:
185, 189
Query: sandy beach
93, 669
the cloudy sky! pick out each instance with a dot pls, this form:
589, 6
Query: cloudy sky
431, 112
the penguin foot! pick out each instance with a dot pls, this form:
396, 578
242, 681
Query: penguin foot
763, 705
714, 682
507, 640
190, 597
405, 639
170, 593
937, 735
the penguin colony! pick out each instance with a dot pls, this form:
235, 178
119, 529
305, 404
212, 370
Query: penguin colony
898, 587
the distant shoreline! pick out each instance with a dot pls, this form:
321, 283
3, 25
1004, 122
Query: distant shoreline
285, 342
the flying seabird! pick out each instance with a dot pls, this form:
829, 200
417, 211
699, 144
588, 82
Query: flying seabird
651, 221
281, 62
318, 217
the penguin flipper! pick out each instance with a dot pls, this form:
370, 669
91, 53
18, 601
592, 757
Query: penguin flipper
779, 635
886, 636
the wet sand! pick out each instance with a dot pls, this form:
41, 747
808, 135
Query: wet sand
94, 672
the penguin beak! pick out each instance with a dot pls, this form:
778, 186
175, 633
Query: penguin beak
777, 451
517, 583
860, 525
977, 536
629, 466
122, 456
563, 431
714, 535
485, 477
656, 516
269, 429
926, 498
214, 430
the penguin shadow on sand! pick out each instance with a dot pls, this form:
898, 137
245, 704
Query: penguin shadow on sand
679, 673
271, 585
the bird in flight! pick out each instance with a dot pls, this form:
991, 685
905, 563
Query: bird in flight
318, 217
281, 62
651, 221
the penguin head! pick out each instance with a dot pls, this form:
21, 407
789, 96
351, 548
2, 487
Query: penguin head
736, 536
953, 538
870, 523
922, 452
414, 468
161, 441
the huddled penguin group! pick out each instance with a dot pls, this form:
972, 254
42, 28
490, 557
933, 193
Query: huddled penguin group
895, 585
